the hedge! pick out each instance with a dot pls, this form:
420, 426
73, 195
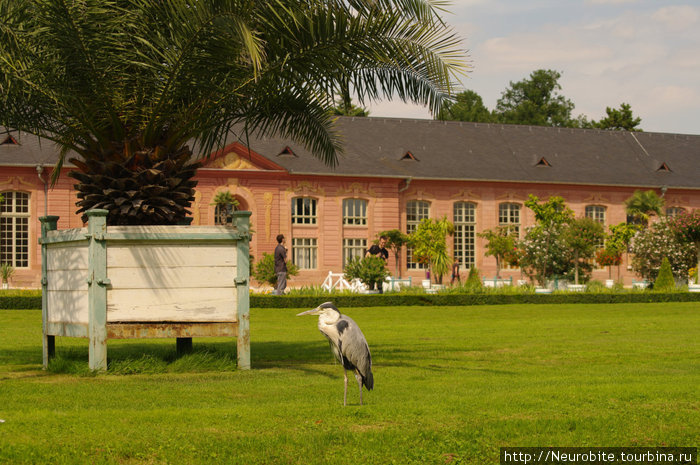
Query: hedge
33, 301
398, 300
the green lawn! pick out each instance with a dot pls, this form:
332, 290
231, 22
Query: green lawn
452, 385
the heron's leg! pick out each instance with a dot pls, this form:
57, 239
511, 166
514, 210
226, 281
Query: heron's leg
345, 395
358, 377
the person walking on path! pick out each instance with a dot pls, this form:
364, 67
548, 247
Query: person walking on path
281, 265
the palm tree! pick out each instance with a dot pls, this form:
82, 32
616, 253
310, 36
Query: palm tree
643, 204
135, 91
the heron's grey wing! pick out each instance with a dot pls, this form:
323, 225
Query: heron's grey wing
353, 345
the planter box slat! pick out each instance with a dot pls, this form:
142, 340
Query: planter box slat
191, 304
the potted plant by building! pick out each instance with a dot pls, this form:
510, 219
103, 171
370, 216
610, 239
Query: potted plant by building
395, 242
226, 204
6, 272
500, 244
609, 257
429, 242
369, 270
582, 236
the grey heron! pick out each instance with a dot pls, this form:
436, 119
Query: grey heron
347, 343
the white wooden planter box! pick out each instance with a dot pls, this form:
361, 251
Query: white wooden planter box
118, 282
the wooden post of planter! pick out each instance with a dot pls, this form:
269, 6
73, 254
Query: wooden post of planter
48, 223
242, 222
97, 289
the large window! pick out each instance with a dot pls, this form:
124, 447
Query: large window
304, 253
14, 229
674, 211
303, 210
464, 219
509, 215
596, 212
416, 211
353, 248
355, 212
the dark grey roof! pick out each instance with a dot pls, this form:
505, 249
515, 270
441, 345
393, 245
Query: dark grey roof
475, 151
378, 147
28, 150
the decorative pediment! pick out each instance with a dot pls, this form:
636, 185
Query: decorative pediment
465, 194
597, 198
305, 188
356, 189
232, 161
236, 157
512, 196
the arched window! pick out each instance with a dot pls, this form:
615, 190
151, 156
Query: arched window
509, 215
674, 211
304, 210
416, 211
354, 212
464, 219
596, 212
14, 229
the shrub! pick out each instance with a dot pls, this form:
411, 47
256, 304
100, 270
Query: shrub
473, 280
652, 244
264, 270
369, 270
664, 281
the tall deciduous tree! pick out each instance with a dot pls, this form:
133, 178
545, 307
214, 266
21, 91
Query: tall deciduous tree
133, 91
535, 101
619, 119
583, 237
467, 106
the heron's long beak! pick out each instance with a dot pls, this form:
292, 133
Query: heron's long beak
313, 311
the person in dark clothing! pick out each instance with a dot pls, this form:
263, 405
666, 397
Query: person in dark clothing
455, 272
281, 265
379, 250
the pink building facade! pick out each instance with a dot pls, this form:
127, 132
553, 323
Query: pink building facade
330, 216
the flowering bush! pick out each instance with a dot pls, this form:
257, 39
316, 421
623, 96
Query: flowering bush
687, 227
608, 257
544, 253
651, 245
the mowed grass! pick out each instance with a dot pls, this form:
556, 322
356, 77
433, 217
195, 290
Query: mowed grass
452, 385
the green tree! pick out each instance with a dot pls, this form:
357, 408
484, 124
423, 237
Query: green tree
226, 204
664, 280
500, 244
619, 120
139, 89
395, 240
553, 211
467, 106
643, 204
543, 251
535, 101
429, 242
583, 236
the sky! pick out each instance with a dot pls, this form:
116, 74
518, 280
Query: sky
642, 52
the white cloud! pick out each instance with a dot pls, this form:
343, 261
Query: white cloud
676, 18
608, 52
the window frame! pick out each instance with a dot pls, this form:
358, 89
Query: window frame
15, 217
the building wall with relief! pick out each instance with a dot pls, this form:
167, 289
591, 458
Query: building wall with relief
270, 195
328, 216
